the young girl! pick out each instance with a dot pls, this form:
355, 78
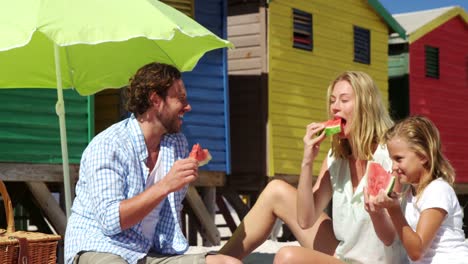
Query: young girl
431, 227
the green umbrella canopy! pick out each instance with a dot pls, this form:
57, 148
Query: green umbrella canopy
91, 45
101, 43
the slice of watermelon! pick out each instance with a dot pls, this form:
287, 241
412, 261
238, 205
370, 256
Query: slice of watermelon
378, 178
333, 126
202, 155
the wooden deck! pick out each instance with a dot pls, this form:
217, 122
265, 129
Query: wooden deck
39, 176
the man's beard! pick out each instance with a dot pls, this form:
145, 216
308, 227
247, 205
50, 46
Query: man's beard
171, 124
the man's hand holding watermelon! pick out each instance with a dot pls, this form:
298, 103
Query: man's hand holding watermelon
202, 155
185, 171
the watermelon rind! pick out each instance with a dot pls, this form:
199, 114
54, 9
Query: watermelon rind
198, 152
332, 126
332, 130
206, 160
390, 186
374, 180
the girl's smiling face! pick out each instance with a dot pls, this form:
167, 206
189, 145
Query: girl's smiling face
342, 102
407, 164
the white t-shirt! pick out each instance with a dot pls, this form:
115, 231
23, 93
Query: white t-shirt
449, 244
148, 224
352, 224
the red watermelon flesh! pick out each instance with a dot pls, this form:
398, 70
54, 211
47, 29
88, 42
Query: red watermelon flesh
378, 178
202, 155
333, 126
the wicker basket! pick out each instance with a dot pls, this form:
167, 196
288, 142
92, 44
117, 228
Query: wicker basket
40, 248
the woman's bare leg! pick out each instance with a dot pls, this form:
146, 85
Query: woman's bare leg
277, 200
302, 255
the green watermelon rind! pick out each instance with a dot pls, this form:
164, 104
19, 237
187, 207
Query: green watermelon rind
206, 160
332, 126
332, 130
195, 153
390, 186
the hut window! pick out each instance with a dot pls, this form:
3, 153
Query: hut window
302, 30
432, 61
361, 45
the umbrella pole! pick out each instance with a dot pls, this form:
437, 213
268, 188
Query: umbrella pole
60, 110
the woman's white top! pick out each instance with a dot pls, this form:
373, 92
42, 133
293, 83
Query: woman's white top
449, 244
352, 224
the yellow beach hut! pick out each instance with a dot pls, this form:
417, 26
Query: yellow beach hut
287, 52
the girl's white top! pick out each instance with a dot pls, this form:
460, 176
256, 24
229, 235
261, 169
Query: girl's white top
352, 224
449, 244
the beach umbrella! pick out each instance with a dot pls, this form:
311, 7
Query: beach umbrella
92, 45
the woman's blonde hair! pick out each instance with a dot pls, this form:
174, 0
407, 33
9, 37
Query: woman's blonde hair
370, 117
423, 138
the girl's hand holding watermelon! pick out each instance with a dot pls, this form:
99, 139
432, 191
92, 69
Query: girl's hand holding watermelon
378, 194
381, 201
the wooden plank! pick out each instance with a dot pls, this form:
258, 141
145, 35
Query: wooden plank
36, 172
264, 39
245, 64
49, 206
243, 19
54, 173
235, 201
231, 224
244, 29
256, 72
244, 53
210, 179
208, 228
245, 41
209, 199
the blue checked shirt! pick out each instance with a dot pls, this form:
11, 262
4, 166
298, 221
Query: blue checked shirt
113, 169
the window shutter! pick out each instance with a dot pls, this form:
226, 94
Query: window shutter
432, 62
302, 30
361, 45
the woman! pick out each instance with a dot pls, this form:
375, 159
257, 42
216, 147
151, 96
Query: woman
350, 237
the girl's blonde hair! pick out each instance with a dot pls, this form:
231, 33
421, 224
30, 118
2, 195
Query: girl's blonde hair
423, 138
370, 117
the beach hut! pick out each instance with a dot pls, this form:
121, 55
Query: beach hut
208, 122
428, 74
30, 141
287, 52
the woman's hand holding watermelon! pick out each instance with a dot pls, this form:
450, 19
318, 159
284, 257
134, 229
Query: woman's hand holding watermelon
312, 139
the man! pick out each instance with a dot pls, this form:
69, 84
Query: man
133, 178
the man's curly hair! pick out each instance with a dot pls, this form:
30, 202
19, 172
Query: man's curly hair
153, 77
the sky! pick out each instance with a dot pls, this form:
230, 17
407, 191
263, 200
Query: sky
403, 6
